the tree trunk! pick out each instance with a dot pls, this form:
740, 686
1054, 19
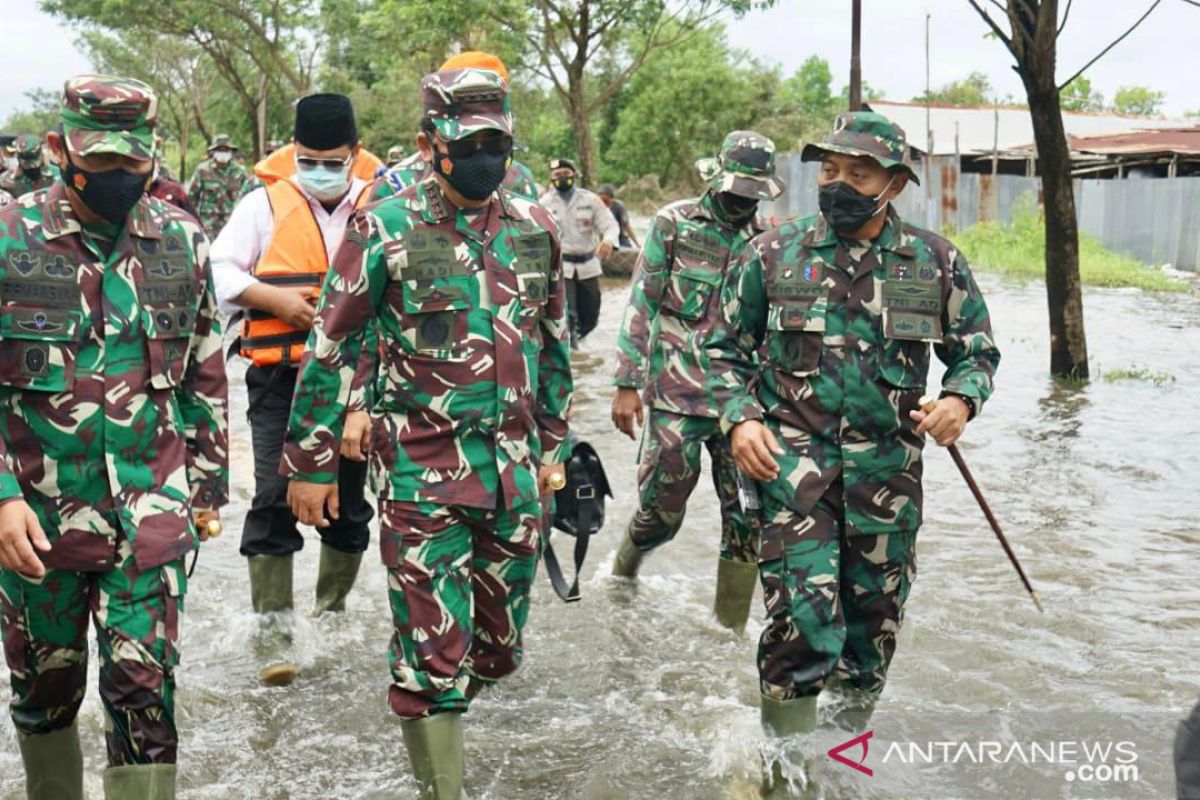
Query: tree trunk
1068, 341
585, 146
185, 133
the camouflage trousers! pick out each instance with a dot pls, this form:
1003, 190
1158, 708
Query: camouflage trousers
668, 471
136, 614
458, 581
834, 602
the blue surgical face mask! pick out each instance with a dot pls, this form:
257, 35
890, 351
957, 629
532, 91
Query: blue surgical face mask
323, 183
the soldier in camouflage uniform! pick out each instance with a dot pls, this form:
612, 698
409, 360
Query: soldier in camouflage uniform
113, 436
406, 171
32, 174
217, 184
672, 309
840, 310
468, 432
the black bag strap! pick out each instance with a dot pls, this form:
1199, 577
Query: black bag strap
583, 532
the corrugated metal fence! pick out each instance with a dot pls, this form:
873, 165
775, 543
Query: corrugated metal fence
1155, 220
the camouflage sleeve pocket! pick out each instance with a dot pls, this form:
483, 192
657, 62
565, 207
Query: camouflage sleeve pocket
38, 347
795, 331
168, 335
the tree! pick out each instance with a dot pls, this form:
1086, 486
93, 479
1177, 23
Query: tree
1078, 96
258, 47
1032, 40
658, 134
1138, 101
568, 39
41, 117
974, 90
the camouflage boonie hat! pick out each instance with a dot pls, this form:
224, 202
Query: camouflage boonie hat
460, 102
28, 146
106, 114
745, 167
222, 141
864, 133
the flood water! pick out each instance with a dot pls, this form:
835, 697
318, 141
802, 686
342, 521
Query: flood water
638, 693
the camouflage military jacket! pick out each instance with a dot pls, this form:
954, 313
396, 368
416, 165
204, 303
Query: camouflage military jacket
674, 307
474, 380
215, 189
842, 332
112, 384
17, 183
518, 180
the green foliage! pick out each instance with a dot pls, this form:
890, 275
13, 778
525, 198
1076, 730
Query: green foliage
678, 107
1138, 101
1136, 373
1019, 250
1079, 96
974, 90
41, 116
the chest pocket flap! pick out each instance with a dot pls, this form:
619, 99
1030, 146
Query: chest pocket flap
796, 317
434, 278
168, 338
38, 347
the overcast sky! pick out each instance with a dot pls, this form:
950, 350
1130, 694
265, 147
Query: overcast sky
1164, 53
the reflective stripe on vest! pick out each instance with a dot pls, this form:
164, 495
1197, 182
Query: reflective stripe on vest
296, 256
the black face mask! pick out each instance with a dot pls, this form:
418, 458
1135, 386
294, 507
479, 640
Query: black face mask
733, 208
565, 184
845, 208
32, 172
476, 176
112, 193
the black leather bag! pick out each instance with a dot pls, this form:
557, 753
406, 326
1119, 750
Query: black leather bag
579, 512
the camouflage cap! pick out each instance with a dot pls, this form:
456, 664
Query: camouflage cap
460, 102
222, 141
28, 146
865, 133
562, 163
395, 153
106, 114
745, 167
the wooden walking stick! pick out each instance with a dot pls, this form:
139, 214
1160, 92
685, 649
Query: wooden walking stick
927, 405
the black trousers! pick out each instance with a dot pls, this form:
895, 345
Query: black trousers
270, 528
583, 304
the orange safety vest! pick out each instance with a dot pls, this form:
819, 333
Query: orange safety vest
295, 257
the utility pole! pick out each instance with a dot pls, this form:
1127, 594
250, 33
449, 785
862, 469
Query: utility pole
855, 59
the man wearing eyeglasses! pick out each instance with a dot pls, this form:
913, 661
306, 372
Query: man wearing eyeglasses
268, 265
463, 280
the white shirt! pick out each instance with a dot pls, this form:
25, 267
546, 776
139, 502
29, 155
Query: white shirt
248, 232
583, 222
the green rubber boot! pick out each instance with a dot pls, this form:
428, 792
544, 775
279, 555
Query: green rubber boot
335, 579
783, 719
140, 782
435, 750
271, 593
629, 558
856, 708
53, 764
735, 591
